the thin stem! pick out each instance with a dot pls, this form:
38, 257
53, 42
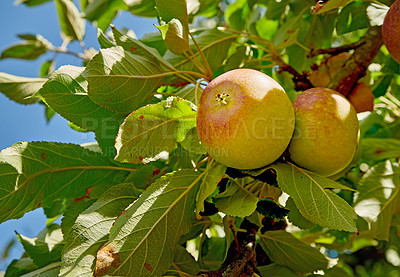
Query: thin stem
194, 61
209, 71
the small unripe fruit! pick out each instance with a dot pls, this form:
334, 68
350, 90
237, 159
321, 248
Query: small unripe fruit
325, 136
245, 119
362, 98
391, 31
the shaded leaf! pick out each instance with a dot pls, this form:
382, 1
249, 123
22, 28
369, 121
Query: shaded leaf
378, 197
295, 216
314, 199
276, 270
31, 3
142, 7
209, 184
184, 262
353, 17
103, 12
155, 221
31, 48
46, 68
20, 267
237, 199
379, 149
329, 5
91, 230
20, 89
285, 249
46, 247
37, 173
121, 81
153, 129
71, 22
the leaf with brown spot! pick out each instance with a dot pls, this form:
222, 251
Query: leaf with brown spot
67, 171
146, 236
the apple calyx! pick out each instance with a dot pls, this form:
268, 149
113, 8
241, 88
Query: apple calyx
221, 97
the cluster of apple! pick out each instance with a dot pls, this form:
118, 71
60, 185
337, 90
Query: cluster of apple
246, 120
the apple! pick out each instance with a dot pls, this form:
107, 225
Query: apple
325, 136
245, 119
362, 98
391, 31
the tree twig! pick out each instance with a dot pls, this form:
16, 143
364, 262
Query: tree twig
356, 66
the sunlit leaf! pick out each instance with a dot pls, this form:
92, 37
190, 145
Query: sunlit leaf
152, 129
314, 199
35, 174
20, 89
379, 197
122, 81
144, 238
71, 22
95, 222
46, 247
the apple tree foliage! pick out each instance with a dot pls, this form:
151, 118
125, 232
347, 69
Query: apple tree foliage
146, 200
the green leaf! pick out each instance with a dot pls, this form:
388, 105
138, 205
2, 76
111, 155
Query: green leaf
137, 47
103, 12
382, 84
20, 267
36, 174
50, 270
46, 247
167, 11
314, 199
285, 249
276, 270
191, 93
153, 129
20, 89
121, 81
173, 34
66, 93
71, 22
91, 230
237, 199
295, 216
155, 221
184, 262
142, 7
72, 212
330, 5
209, 184
379, 149
31, 48
30, 3
213, 43
378, 197
353, 17
46, 68
103, 40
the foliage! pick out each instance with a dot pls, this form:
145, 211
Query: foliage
146, 200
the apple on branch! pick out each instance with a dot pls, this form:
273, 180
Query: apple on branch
245, 119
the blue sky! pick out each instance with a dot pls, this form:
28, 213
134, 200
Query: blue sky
28, 123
